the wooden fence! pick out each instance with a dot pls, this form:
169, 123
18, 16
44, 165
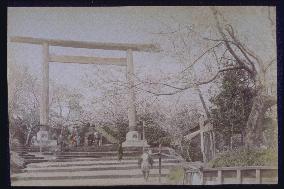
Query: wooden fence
232, 175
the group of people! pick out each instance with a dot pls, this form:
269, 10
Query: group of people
74, 139
93, 139
69, 140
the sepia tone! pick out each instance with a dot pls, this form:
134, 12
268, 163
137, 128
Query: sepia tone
142, 96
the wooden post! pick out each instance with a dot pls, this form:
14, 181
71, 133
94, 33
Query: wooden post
160, 162
131, 94
45, 85
219, 177
202, 182
201, 125
202, 146
143, 135
40, 146
257, 176
239, 176
213, 141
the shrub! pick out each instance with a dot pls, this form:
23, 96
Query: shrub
245, 157
176, 175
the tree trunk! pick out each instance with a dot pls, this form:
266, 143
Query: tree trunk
207, 140
203, 102
253, 132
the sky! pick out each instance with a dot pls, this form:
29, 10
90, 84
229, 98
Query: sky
120, 24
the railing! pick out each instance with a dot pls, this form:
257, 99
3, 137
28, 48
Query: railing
109, 137
232, 175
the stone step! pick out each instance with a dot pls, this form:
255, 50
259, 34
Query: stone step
106, 174
28, 161
112, 148
62, 159
103, 148
25, 148
91, 158
98, 156
86, 159
31, 157
128, 168
92, 182
68, 157
95, 167
91, 153
95, 155
23, 152
93, 162
26, 155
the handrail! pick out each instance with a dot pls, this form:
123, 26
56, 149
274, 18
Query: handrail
109, 137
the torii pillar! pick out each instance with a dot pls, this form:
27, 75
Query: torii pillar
44, 106
132, 137
43, 134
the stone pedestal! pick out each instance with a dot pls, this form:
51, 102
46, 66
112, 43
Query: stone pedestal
42, 138
43, 134
133, 140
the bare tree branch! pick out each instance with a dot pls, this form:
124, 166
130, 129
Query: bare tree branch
189, 85
269, 64
208, 50
232, 52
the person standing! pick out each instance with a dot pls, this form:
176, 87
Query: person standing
78, 140
120, 152
90, 139
146, 163
97, 138
60, 142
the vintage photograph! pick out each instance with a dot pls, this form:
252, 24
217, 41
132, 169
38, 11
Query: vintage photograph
182, 95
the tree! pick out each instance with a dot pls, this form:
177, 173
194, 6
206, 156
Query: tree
257, 67
23, 104
232, 105
195, 49
65, 107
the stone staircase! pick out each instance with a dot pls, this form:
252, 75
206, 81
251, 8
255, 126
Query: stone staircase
89, 168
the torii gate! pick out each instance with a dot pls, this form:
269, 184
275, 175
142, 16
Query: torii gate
132, 137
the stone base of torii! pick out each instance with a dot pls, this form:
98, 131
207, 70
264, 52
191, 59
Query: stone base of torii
133, 140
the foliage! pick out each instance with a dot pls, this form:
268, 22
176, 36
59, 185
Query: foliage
176, 175
246, 157
119, 130
232, 105
154, 133
257, 68
185, 119
17, 162
23, 103
270, 133
191, 150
